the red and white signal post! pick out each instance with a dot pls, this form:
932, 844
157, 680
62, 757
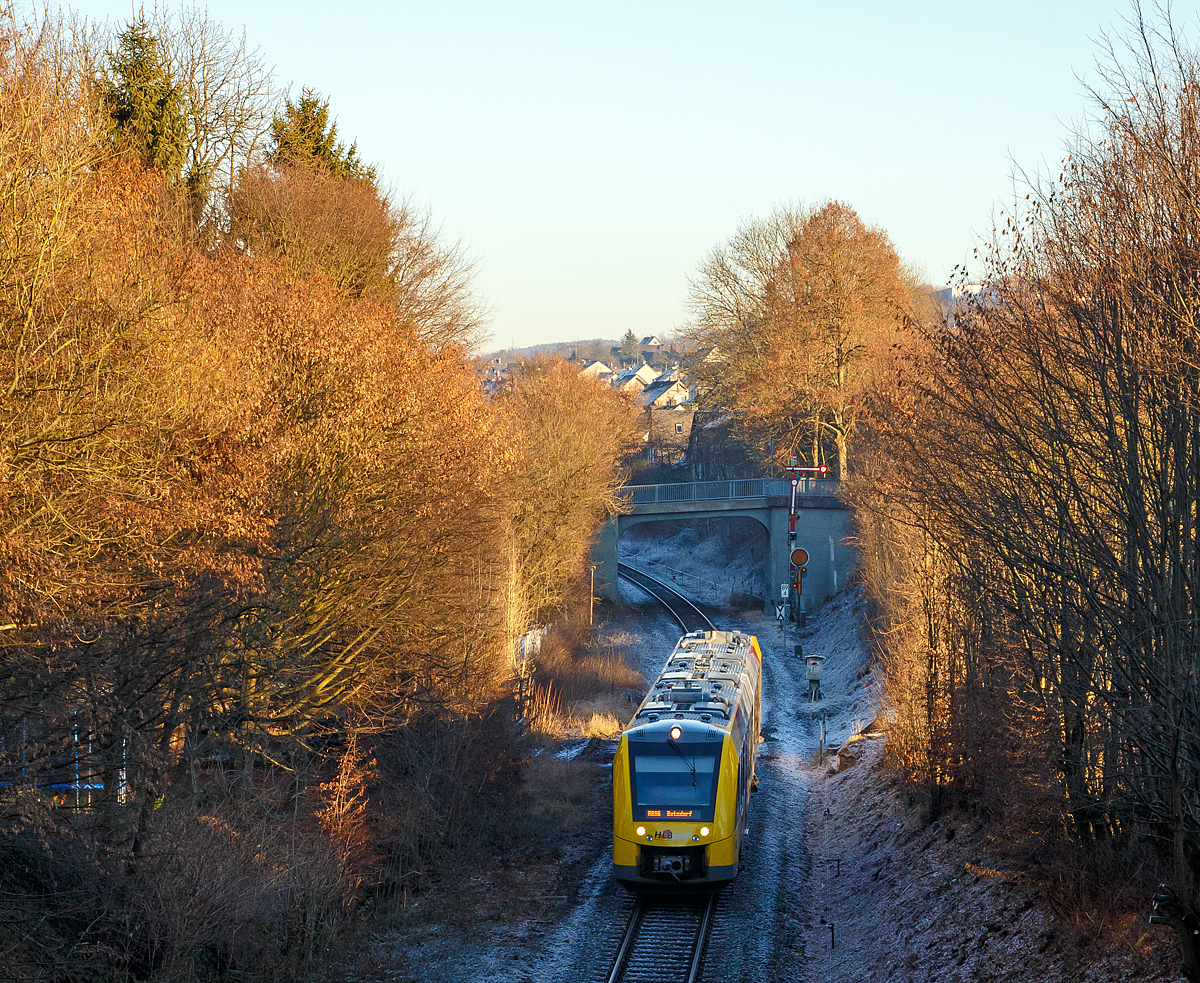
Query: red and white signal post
798, 556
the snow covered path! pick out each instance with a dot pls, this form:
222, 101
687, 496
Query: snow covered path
761, 932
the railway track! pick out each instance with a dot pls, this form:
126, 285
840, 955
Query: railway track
665, 937
690, 617
664, 940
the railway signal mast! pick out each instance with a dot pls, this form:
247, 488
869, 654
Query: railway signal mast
798, 556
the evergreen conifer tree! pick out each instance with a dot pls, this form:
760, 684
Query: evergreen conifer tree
144, 104
304, 133
630, 349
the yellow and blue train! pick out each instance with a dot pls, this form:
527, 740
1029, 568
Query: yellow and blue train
684, 767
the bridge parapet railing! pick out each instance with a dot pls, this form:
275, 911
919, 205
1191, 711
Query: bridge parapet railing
708, 491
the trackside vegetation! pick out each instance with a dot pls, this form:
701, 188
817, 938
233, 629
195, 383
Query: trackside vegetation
265, 546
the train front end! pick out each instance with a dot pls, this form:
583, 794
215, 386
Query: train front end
673, 826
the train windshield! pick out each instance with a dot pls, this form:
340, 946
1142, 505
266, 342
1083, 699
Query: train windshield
673, 781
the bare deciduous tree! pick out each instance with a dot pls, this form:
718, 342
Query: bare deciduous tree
1052, 438
228, 94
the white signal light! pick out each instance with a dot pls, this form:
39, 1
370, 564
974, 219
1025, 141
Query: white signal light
704, 831
676, 733
641, 831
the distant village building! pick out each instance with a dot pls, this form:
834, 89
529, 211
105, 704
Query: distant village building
669, 431
597, 370
495, 373
652, 350
664, 392
669, 415
634, 380
949, 298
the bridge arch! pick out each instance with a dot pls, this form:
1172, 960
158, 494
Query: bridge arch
754, 528
822, 528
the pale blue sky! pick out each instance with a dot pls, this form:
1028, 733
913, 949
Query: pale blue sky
589, 155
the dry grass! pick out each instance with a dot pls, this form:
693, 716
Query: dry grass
604, 715
579, 692
560, 789
545, 713
578, 674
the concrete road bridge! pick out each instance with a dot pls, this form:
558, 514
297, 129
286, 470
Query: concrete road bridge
822, 526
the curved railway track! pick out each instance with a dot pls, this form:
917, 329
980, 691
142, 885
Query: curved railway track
664, 940
690, 617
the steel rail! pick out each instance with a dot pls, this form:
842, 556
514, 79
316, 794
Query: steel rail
657, 589
702, 937
631, 930
664, 956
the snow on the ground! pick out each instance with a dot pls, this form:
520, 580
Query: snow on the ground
758, 929
847, 703
706, 569
916, 902
650, 636
572, 749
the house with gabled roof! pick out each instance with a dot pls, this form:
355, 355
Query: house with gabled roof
634, 380
668, 432
597, 370
664, 392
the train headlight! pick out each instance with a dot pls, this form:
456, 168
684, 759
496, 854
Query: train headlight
704, 831
676, 733
641, 831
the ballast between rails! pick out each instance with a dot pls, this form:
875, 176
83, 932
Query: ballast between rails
682, 610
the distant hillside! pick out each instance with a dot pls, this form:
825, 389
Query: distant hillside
590, 348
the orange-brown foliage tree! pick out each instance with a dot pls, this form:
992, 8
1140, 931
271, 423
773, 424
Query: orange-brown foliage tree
796, 310
255, 519
316, 222
567, 435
